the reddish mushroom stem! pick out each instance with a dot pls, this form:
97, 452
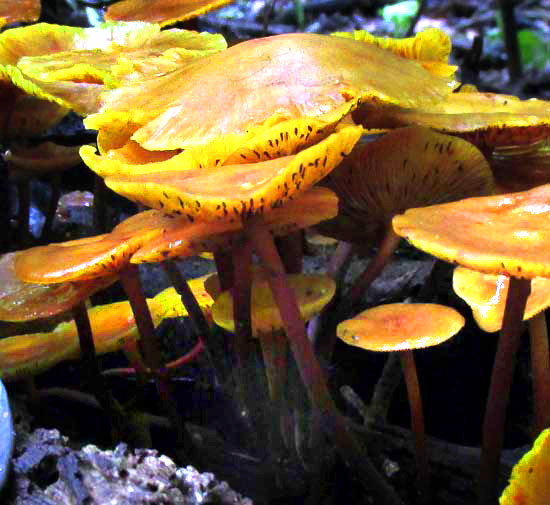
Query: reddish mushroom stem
113, 409
100, 206
417, 423
310, 370
291, 250
501, 380
172, 365
198, 320
129, 277
224, 267
247, 383
540, 364
383, 255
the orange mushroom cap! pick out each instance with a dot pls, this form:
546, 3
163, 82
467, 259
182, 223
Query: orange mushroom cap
401, 326
268, 80
42, 158
486, 295
485, 119
235, 191
505, 234
407, 167
21, 301
529, 479
163, 12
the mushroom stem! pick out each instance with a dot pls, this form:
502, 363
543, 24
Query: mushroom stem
224, 267
129, 277
336, 269
100, 206
501, 380
540, 364
113, 409
198, 320
247, 384
310, 370
417, 423
274, 351
385, 250
291, 249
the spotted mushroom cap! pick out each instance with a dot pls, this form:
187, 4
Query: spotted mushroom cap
504, 234
486, 295
12, 11
163, 12
485, 119
529, 480
193, 238
401, 326
430, 47
236, 191
22, 301
119, 155
407, 167
267, 80
312, 292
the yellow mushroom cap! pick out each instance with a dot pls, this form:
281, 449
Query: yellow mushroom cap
22, 301
485, 119
268, 80
430, 47
192, 238
407, 167
312, 292
504, 234
401, 326
486, 295
237, 191
164, 12
529, 484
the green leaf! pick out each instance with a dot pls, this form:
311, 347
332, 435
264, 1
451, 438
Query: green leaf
400, 14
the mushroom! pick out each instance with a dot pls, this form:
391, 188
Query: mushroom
506, 234
486, 294
529, 480
403, 327
405, 168
312, 293
486, 120
163, 12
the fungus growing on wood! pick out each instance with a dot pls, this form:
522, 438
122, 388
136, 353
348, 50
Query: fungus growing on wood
529, 480
163, 12
403, 327
506, 234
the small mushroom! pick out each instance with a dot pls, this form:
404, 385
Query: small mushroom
403, 327
506, 234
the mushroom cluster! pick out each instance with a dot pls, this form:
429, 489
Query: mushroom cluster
234, 151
